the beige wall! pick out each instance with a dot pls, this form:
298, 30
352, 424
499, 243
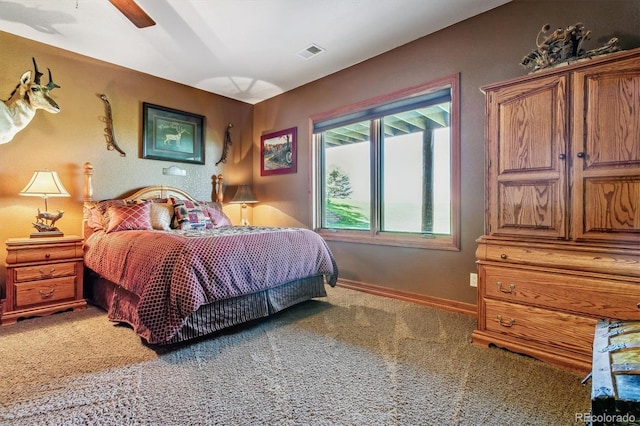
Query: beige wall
65, 141
484, 49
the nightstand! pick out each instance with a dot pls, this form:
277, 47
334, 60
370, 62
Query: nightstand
44, 275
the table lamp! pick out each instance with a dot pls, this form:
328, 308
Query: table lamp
244, 195
45, 184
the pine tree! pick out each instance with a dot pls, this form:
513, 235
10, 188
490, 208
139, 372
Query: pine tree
338, 184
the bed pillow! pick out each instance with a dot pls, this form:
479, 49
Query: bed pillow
161, 215
218, 217
129, 217
98, 216
190, 215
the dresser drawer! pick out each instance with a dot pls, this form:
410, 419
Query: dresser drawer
598, 260
564, 330
44, 254
587, 295
44, 272
45, 291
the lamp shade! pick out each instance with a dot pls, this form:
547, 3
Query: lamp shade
45, 183
244, 195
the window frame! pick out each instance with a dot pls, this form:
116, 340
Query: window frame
375, 236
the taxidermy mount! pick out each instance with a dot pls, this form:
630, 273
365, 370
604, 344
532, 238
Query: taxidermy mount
28, 96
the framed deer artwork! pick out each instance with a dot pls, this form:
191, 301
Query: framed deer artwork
172, 135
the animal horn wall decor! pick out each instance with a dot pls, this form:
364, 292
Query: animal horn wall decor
108, 131
28, 97
226, 144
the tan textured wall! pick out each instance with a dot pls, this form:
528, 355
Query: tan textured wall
65, 141
484, 49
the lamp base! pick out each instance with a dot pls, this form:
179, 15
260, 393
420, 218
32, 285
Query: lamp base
45, 234
244, 221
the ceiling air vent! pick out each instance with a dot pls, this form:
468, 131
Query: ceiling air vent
311, 51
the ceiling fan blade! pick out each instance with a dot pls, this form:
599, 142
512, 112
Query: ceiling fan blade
133, 12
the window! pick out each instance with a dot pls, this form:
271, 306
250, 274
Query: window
387, 172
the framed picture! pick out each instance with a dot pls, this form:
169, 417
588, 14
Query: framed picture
278, 152
172, 135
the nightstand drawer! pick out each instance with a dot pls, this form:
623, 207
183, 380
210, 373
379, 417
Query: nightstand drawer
45, 291
44, 272
43, 254
548, 327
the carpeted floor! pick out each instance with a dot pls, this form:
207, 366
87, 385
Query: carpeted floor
349, 359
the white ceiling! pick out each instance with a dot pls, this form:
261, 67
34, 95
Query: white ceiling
242, 49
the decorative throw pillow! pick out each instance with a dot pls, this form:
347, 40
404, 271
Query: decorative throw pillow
128, 218
190, 215
218, 217
161, 214
98, 215
95, 219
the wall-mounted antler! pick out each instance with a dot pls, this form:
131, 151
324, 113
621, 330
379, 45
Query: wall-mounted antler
36, 79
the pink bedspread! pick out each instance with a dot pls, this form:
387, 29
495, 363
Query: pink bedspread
175, 272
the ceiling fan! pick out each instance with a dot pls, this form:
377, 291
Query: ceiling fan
134, 13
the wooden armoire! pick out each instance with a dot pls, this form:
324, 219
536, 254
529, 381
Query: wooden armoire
562, 243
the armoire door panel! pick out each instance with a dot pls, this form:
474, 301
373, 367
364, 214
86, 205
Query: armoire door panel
613, 130
527, 132
614, 207
530, 208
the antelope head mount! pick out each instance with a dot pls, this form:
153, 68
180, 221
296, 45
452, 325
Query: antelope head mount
28, 97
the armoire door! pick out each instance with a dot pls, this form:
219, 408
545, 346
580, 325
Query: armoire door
526, 159
606, 152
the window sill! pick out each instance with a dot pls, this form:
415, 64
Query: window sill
432, 242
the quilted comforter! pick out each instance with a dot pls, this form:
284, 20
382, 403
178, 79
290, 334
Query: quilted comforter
173, 273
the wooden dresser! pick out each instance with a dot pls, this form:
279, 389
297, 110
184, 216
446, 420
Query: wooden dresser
44, 275
562, 243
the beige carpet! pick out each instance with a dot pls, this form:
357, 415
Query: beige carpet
349, 359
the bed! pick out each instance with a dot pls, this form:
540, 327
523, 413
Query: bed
174, 268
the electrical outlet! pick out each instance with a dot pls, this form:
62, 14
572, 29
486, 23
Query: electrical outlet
473, 279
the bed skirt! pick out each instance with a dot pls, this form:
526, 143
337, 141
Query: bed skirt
121, 305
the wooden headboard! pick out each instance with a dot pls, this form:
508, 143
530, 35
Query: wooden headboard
146, 193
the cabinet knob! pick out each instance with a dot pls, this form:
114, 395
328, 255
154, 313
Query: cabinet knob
47, 255
580, 155
503, 256
638, 305
562, 156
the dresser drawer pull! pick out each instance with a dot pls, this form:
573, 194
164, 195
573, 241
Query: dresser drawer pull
638, 305
505, 290
47, 255
503, 256
506, 324
47, 274
47, 294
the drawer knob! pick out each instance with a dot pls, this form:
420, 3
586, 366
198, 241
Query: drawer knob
503, 256
47, 255
638, 305
47, 274
48, 294
506, 323
506, 290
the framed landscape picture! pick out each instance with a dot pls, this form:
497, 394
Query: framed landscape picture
172, 135
278, 152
